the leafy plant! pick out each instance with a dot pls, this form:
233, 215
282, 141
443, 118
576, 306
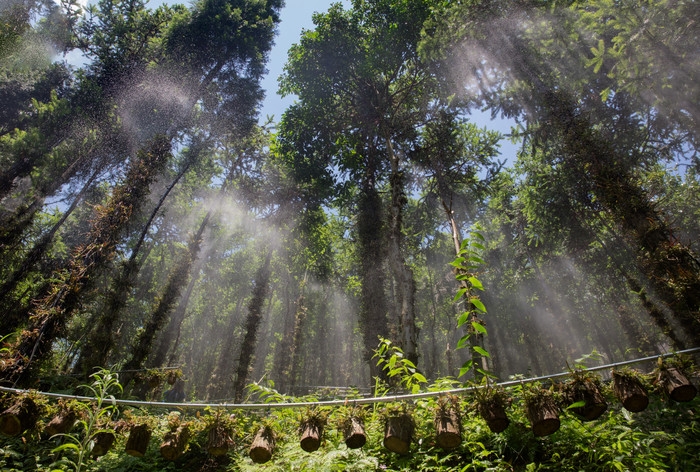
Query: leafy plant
95, 416
391, 359
466, 266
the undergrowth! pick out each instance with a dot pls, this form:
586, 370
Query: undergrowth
664, 437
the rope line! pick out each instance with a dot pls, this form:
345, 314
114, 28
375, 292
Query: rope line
344, 402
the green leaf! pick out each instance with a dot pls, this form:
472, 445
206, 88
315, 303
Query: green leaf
476, 259
466, 368
578, 404
481, 350
476, 283
478, 304
479, 327
460, 293
462, 318
418, 377
462, 342
65, 446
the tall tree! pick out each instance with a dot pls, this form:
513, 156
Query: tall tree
359, 72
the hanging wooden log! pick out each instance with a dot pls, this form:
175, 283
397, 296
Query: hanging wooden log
677, 384
103, 442
587, 392
22, 415
630, 392
543, 415
174, 443
137, 443
398, 432
263, 445
448, 427
311, 433
493, 411
62, 422
354, 433
219, 440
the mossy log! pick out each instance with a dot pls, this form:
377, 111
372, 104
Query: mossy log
174, 443
588, 392
448, 428
311, 433
543, 415
398, 432
103, 442
677, 385
20, 416
263, 446
137, 443
494, 413
630, 392
354, 433
219, 440
62, 422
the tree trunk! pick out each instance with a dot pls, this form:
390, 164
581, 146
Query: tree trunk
104, 440
54, 310
588, 392
373, 309
448, 428
220, 383
101, 339
543, 415
402, 273
178, 279
292, 347
677, 384
9, 323
255, 308
219, 440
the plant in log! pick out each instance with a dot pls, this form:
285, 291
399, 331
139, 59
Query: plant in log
448, 422
672, 380
584, 394
263, 445
22, 414
351, 421
311, 429
95, 438
176, 440
491, 403
541, 409
630, 389
219, 433
399, 427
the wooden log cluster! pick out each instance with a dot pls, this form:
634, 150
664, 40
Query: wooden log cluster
583, 394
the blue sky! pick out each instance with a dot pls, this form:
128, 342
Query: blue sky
296, 16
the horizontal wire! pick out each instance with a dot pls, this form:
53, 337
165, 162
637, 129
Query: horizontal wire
344, 402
